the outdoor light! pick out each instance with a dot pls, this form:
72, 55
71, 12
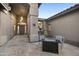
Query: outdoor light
40, 24
21, 19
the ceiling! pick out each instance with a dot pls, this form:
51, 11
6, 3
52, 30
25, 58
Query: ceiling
20, 9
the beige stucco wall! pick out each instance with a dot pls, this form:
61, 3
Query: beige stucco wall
6, 27
67, 26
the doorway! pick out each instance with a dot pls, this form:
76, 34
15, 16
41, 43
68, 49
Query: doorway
21, 29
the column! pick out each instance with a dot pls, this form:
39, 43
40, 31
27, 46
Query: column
33, 22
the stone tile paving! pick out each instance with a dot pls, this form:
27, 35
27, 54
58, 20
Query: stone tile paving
19, 46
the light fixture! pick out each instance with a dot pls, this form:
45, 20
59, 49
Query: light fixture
21, 19
40, 24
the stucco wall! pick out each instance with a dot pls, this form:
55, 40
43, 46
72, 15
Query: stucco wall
6, 27
67, 26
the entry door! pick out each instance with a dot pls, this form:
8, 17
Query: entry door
22, 29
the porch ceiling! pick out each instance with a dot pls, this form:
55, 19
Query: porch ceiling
19, 9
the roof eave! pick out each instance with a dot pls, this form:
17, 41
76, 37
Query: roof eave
39, 5
64, 12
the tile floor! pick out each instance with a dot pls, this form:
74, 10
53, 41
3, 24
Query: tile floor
19, 46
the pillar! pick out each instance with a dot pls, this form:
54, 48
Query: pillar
33, 22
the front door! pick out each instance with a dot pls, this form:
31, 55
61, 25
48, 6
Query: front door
21, 29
